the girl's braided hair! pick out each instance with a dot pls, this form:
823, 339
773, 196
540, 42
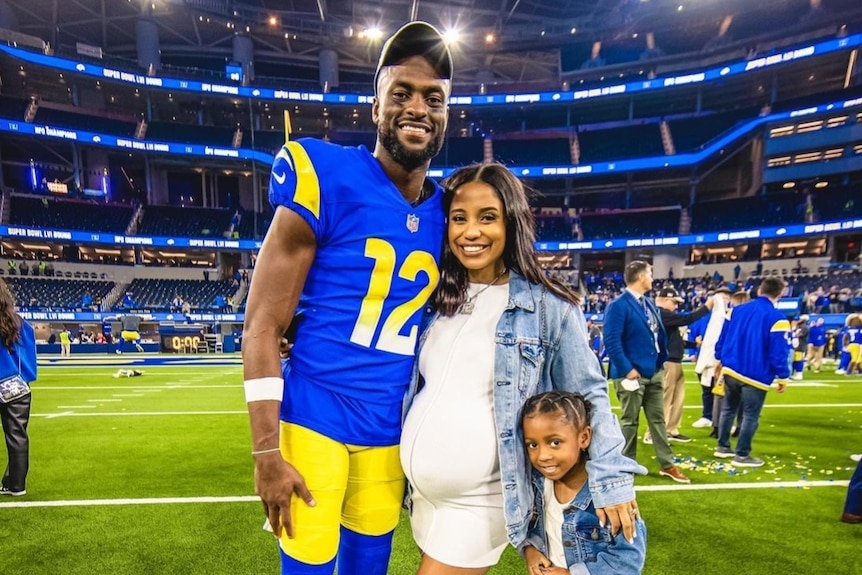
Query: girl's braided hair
573, 406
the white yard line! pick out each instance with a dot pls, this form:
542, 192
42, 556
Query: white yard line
764, 485
255, 499
139, 413
243, 412
135, 387
53, 415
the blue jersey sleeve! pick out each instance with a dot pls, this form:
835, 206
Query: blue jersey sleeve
779, 347
294, 184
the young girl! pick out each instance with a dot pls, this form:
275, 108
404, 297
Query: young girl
565, 531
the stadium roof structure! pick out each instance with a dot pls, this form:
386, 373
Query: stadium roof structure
534, 41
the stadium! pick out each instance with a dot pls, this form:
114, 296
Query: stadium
720, 141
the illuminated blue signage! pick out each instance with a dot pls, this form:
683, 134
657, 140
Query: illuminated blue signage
698, 77
568, 171
121, 240
201, 317
92, 138
769, 233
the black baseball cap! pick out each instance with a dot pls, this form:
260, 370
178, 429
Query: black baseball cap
670, 293
416, 38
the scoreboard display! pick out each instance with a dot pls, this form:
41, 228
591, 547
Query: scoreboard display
180, 337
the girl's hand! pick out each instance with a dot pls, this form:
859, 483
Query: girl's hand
537, 563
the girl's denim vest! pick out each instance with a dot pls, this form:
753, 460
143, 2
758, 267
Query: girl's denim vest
588, 547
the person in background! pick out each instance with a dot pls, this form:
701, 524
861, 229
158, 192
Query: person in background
752, 352
17, 358
800, 332
352, 249
705, 333
131, 324
176, 304
816, 345
667, 301
187, 309
557, 436
853, 343
65, 343
853, 504
594, 333
127, 373
636, 344
842, 340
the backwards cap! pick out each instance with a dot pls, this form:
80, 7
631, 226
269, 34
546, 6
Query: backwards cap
416, 39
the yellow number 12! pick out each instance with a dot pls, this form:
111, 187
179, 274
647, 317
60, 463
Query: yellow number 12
390, 338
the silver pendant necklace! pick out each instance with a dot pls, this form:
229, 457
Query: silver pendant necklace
469, 304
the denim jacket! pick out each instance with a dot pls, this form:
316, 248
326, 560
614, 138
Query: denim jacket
589, 548
534, 355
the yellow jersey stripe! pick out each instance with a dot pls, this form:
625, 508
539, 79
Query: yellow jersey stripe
307, 185
746, 380
781, 325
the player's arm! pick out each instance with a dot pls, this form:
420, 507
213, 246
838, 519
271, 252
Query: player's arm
282, 267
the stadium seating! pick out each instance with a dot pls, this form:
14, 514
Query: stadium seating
156, 294
41, 212
692, 134
36, 293
555, 151
628, 224
267, 141
753, 211
246, 228
187, 222
460, 152
190, 134
622, 143
85, 121
12, 108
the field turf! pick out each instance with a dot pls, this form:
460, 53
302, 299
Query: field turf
152, 475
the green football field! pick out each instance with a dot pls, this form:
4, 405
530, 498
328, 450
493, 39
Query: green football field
152, 475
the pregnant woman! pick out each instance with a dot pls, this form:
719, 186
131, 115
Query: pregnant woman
501, 332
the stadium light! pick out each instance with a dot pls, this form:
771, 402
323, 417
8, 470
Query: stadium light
373, 33
451, 36
34, 179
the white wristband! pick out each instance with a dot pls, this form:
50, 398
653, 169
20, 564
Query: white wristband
264, 389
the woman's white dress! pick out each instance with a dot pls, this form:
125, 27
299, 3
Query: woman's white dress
449, 442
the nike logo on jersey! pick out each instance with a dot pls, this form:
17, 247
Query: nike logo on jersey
281, 177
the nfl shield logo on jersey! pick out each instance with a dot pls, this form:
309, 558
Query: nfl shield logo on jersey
413, 223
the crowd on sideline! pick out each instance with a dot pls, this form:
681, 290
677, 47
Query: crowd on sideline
830, 292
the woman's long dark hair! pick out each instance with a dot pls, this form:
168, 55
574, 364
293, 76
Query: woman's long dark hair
10, 322
519, 254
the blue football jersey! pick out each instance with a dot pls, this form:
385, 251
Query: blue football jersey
376, 266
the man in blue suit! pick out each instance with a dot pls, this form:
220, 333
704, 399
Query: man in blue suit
636, 344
